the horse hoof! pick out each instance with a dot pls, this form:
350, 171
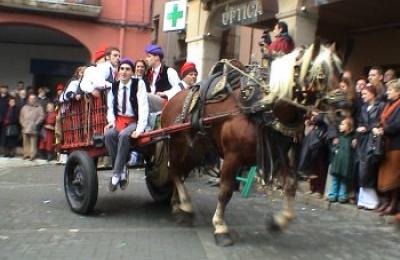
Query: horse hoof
184, 218
273, 226
223, 239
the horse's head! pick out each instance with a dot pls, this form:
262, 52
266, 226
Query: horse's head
320, 72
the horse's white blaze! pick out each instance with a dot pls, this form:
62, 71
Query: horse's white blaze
218, 221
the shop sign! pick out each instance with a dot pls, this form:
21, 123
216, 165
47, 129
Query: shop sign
174, 15
241, 13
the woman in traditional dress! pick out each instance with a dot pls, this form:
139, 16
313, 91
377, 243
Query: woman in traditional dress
389, 170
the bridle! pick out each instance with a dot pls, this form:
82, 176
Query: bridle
318, 81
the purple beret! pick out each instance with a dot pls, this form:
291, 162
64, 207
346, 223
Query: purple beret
126, 61
155, 50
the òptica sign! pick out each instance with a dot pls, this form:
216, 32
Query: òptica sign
241, 13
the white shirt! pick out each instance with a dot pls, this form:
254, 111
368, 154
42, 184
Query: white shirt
105, 69
72, 87
173, 79
95, 77
143, 105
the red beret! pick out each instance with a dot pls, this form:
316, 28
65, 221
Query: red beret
59, 86
187, 68
100, 53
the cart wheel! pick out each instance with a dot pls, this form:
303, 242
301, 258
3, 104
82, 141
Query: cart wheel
160, 194
80, 182
158, 184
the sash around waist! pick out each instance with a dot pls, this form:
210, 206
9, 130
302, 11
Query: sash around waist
121, 122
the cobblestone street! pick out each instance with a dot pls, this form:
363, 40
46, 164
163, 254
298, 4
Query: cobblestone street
36, 223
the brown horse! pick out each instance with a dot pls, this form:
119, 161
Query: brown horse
235, 138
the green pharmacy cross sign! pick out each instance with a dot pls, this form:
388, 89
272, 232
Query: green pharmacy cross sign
174, 15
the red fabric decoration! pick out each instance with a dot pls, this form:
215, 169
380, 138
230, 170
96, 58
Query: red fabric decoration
121, 122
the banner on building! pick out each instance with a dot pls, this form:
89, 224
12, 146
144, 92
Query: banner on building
174, 16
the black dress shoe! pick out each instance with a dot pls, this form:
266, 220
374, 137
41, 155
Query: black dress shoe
112, 187
123, 184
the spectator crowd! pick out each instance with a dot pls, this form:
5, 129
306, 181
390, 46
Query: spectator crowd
27, 119
356, 158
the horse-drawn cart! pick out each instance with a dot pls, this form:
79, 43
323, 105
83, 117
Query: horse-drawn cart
249, 119
83, 123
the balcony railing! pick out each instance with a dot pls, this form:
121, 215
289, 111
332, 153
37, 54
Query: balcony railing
83, 8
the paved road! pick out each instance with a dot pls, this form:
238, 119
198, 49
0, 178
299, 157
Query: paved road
36, 223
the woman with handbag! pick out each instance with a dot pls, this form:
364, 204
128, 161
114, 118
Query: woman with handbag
367, 167
10, 128
389, 170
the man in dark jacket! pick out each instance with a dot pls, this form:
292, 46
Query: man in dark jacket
375, 78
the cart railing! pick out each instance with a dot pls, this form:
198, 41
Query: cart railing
83, 121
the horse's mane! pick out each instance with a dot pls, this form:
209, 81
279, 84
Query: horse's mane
310, 69
306, 61
282, 73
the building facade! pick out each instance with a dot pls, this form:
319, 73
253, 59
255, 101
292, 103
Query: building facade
366, 32
173, 43
42, 41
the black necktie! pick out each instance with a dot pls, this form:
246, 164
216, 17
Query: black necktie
124, 101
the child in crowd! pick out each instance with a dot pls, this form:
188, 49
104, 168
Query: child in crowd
47, 140
341, 163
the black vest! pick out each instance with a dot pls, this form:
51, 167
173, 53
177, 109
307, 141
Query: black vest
132, 98
162, 82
